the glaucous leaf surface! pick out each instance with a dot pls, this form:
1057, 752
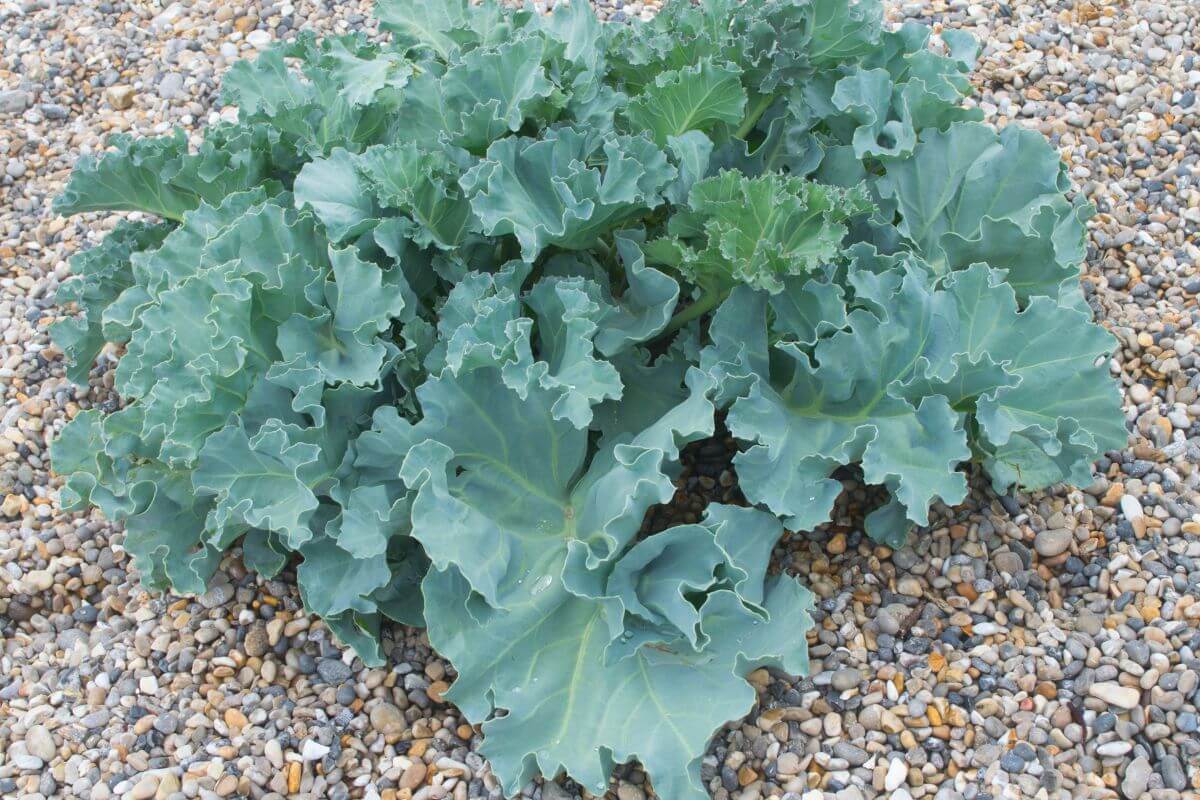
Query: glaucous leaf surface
919, 374
433, 320
546, 191
609, 628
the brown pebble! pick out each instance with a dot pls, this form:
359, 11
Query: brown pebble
293, 777
120, 97
257, 644
414, 776
245, 24
236, 720
1046, 689
436, 690
387, 719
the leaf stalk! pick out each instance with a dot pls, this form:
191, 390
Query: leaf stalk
757, 109
707, 301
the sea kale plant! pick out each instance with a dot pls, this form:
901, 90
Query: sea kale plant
434, 318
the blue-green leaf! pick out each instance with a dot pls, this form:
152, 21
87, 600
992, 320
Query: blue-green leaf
543, 191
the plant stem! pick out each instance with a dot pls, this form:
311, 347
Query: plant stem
757, 109
616, 275
604, 249
707, 301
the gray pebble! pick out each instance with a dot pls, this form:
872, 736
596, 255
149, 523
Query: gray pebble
1137, 777
1011, 762
333, 670
845, 679
13, 101
171, 86
1172, 773
856, 756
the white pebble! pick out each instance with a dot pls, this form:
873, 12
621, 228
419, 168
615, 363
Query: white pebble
312, 751
1114, 749
1125, 697
259, 40
1131, 507
274, 753
37, 580
896, 774
40, 743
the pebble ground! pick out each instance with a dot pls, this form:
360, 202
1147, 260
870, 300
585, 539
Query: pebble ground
1032, 646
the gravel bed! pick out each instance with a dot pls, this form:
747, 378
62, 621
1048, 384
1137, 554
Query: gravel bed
1028, 646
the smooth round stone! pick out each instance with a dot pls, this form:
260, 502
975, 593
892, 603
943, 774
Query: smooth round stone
1124, 697
1114, 749
1053, 542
